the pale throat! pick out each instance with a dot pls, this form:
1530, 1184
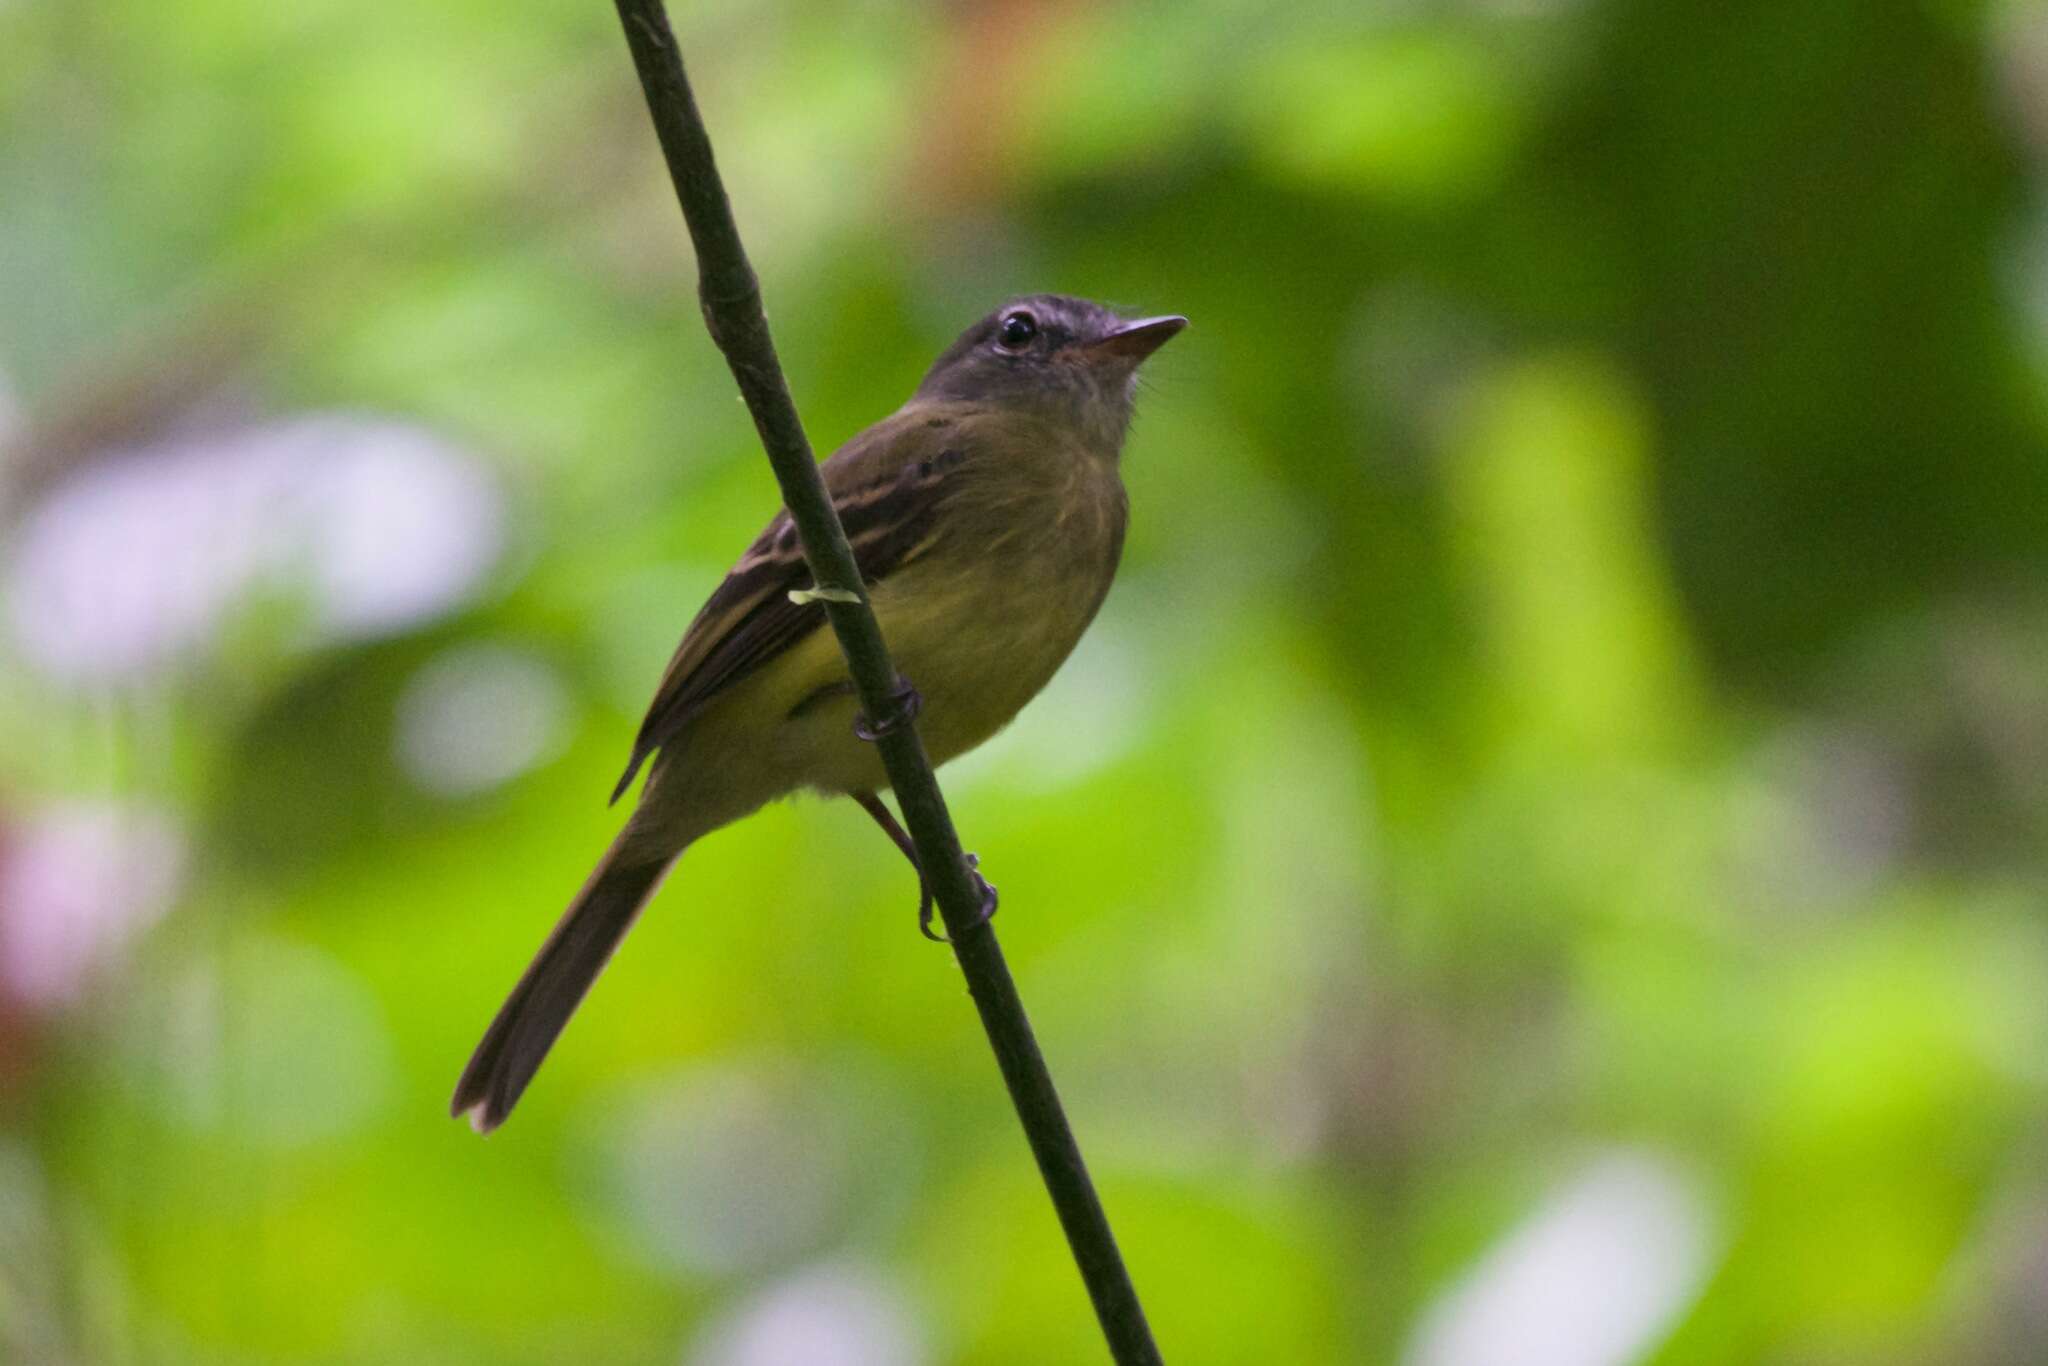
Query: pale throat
1097, 405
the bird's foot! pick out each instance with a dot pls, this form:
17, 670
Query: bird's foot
904, 704
883, 817
982, 885
926, 908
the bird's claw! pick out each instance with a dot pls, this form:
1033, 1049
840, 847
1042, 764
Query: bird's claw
891, 827
905, 702
989, 901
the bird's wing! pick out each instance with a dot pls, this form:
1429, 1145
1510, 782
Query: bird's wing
887, 485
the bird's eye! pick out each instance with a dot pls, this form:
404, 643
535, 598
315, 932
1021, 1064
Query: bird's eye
1017, 331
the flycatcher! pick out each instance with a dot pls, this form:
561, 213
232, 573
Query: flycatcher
987, 516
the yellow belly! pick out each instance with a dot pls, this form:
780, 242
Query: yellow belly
978, 635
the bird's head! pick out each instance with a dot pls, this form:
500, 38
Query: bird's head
1068, 359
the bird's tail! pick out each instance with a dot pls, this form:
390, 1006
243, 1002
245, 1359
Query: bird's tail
556, 981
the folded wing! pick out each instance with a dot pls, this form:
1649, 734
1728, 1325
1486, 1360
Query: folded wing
888, 505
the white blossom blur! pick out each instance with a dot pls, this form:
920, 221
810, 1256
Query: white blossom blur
1595, 1277
134, 560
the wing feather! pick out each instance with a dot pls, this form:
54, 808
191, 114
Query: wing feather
749, 619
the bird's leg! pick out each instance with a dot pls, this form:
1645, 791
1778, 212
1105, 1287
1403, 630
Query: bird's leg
883, 817
907, 703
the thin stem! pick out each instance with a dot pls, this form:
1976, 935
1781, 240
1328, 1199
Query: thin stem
731, 299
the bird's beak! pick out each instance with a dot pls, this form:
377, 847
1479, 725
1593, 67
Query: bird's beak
1134, 341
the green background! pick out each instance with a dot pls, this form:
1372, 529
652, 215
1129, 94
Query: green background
1541, 859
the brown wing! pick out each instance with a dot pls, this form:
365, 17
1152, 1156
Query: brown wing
749, 619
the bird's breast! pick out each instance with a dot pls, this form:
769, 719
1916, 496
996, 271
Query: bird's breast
980, 625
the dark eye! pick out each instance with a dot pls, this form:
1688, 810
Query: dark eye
1017, 331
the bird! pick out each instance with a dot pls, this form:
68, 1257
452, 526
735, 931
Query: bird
987, 517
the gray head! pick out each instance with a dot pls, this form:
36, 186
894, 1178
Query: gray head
1069, 359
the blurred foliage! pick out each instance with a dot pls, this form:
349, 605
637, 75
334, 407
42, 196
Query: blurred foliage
1541, 860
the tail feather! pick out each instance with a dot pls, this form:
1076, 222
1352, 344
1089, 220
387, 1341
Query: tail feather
555, 983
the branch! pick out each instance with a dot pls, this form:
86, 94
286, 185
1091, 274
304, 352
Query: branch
731, 300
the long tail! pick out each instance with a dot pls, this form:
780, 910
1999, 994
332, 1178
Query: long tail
555, 983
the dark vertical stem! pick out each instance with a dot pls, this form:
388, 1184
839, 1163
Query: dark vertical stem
731, 300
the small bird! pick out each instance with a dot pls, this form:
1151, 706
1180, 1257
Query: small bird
987, 516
